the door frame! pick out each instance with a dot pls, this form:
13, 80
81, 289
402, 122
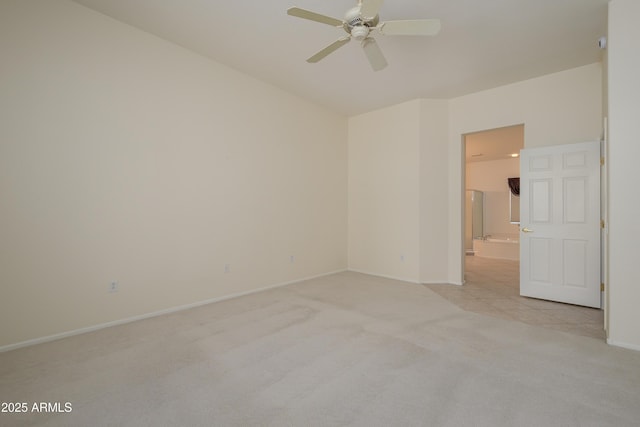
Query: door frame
604, 215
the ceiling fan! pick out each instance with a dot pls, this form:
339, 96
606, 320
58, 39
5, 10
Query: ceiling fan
360, 22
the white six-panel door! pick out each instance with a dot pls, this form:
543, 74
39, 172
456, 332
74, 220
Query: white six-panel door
560, 223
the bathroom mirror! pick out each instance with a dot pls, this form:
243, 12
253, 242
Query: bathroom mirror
514, 208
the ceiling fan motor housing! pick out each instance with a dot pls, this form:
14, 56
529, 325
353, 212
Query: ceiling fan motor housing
353, 18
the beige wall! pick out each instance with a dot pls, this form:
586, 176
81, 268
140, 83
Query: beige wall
397, 197
384, 148
624, 152
434, 193
387, 185
559, 108
124, 157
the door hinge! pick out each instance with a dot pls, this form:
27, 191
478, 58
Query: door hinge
602, 223
601, 161
601, 287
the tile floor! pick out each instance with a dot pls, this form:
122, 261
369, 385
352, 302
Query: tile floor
492, 288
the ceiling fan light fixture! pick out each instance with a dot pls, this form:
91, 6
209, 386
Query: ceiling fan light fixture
360, 32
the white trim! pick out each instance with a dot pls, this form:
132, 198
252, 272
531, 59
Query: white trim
170, 310
628, 346
402, 279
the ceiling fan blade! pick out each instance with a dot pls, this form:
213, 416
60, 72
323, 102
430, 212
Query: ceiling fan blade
329, 49
414, 27
374, 54
312, 16
370, 8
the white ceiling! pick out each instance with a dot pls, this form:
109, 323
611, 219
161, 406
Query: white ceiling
483, 44
494, 144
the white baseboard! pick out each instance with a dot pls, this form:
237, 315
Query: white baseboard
441, 282
628, 346
170, 310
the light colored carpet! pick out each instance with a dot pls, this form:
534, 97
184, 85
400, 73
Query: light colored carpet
346, 349
492, 287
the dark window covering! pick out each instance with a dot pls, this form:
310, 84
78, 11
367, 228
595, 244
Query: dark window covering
514, 185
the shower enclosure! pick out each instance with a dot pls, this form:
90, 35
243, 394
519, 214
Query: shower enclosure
474, 218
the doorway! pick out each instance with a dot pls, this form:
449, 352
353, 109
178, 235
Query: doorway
492, 276
491, 169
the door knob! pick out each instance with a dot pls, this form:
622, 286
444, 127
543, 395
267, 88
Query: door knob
527, 230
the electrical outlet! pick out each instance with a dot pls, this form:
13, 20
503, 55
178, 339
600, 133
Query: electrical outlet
292, 259
401, 258
227, 268
113, 287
